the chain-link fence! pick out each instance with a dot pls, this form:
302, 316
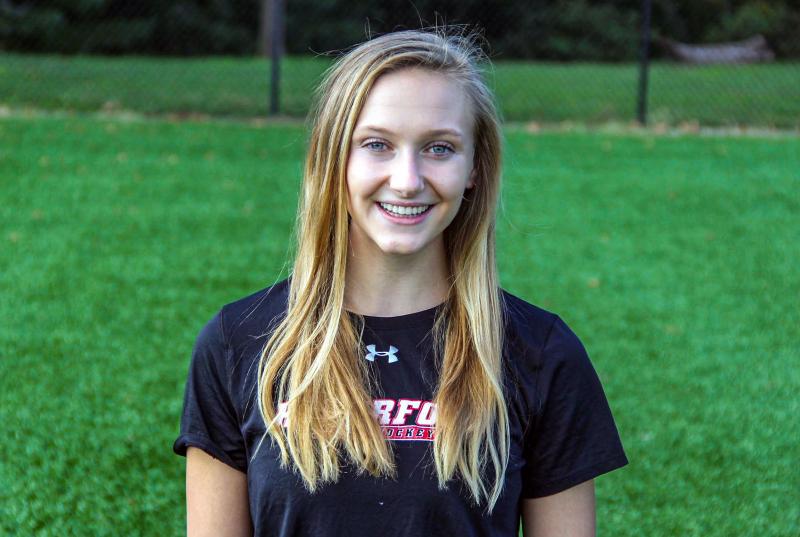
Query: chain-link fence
553, 61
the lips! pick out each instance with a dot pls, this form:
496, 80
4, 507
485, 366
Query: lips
413, 216
404, 210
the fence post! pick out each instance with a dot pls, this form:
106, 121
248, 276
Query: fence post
264, 38
277, 23
644, 64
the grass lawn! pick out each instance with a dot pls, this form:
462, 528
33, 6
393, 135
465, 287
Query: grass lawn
765, 95
673, 257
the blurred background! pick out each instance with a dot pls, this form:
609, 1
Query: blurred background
715, 62
150, 159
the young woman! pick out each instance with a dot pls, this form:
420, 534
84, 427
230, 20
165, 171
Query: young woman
390, 387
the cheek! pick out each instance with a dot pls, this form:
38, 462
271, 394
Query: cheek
454, 187
350, 174
451, 178
359, 177
352, 182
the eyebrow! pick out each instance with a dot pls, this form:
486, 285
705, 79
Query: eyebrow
433, 132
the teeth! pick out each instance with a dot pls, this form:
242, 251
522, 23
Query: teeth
405, 211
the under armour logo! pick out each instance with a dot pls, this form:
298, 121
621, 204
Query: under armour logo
391, 353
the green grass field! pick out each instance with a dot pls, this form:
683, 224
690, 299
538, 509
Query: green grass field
673, 257
764, 95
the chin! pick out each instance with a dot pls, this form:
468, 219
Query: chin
400, 249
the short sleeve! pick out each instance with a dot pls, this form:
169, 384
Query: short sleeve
209, 420
572, 437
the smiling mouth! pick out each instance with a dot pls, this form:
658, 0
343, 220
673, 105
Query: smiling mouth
407, 211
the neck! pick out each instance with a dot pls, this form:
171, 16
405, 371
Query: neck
388, 285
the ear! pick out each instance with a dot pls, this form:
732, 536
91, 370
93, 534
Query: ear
473, 176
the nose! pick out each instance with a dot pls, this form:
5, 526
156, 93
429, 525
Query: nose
406, 178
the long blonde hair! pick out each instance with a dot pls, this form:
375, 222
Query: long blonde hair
311, 361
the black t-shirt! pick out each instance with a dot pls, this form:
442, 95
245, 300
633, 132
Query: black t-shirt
562, 431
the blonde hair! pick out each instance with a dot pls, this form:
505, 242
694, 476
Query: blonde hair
312, 359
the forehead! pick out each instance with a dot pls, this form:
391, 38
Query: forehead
417, 99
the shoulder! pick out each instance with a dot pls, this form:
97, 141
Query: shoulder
227, 348
537, 334
251, 317
541, 350
523, 319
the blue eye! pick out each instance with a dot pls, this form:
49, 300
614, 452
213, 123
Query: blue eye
440, 149
375, 145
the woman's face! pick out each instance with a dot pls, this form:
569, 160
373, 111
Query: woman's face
410, 162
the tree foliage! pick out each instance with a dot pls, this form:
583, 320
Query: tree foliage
558, 30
